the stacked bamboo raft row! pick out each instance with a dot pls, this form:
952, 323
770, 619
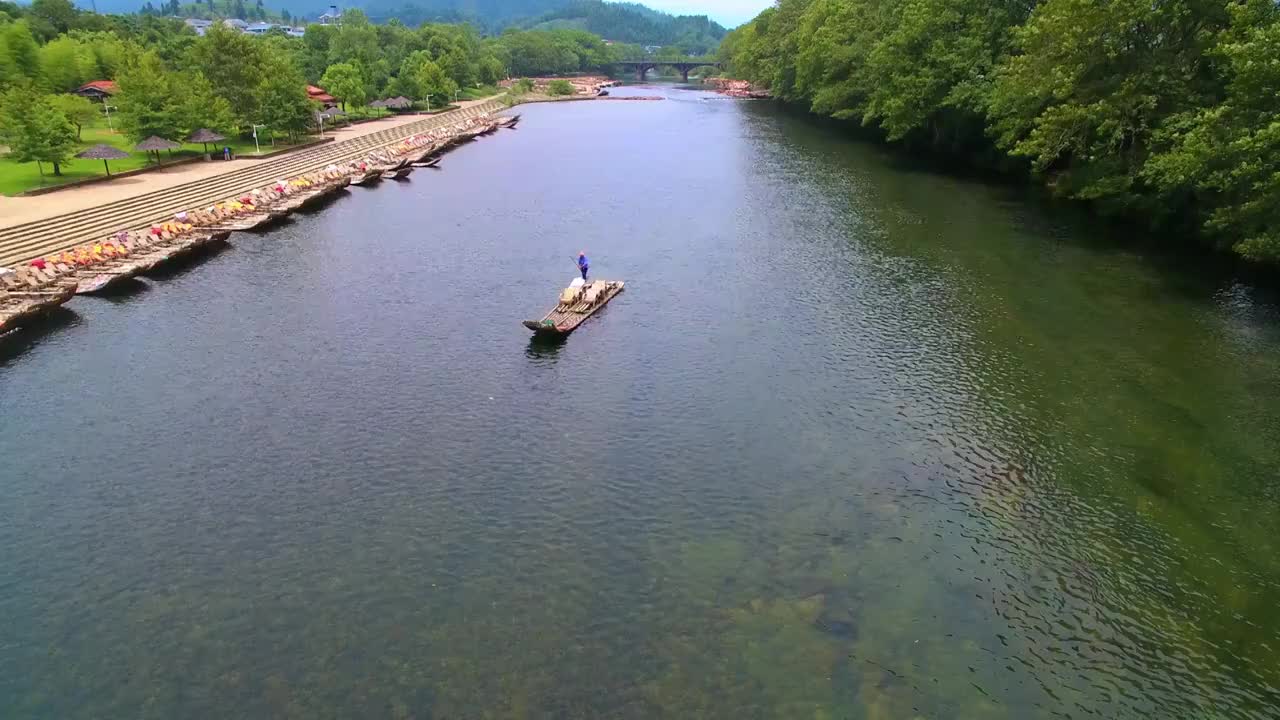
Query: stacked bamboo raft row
49, 281
23, 242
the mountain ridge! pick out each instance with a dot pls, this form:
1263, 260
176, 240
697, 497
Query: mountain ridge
627, 22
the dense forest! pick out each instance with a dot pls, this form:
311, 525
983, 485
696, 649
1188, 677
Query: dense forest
637, 24
1164, 112
171, 82
490, 16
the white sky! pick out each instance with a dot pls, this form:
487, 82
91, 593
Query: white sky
729, 13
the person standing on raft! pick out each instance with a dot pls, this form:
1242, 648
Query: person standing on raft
583, 265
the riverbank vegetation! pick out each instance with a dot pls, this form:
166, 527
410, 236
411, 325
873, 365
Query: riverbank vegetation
1164, 113
166, 81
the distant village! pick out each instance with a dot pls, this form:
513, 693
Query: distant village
200, 26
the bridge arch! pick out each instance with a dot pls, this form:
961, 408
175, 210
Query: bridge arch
642, 67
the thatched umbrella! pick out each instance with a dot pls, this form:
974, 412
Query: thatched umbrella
332, 112
104, 153
204, 136
378, 103
156, 144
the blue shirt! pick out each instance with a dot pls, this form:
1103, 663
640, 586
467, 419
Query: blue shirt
582, 262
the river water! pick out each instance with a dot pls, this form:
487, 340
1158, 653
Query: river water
858, 441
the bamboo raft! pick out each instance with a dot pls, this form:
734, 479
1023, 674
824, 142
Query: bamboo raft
21, 306
565, 318
397, 173
146, 257
433, 162
246, 222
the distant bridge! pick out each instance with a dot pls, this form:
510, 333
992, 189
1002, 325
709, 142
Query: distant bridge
684, 66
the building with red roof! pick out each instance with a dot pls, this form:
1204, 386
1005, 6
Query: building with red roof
319, 95
98, 89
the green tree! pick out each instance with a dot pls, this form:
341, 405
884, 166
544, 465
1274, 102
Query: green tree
354, 40
60, 14
198, 106
145, 100
77, 110
1091, 81
559, 87
21, 52
538, 53
103, 54
427, 79
1225, 157
286, 107
63, 63
345, 82
34, 130
490, 70
235, 65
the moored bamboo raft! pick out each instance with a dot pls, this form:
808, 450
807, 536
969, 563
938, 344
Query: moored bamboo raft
100, 280
397, 173
368, 177
565, 317
245, 222
20, 307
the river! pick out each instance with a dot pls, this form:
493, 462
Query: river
859, 440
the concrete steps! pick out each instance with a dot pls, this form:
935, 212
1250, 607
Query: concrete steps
23, 242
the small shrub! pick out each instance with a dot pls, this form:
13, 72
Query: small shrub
559, 87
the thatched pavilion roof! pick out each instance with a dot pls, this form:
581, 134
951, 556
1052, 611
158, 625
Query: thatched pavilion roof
157, 143
103, 152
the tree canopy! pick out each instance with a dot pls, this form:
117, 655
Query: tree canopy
34, 130
345, 82
1164, 112
171, 81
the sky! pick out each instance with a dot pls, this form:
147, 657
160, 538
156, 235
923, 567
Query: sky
729, 13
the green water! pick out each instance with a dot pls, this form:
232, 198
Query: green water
860, 440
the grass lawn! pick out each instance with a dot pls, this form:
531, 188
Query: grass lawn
479, 93
18, 177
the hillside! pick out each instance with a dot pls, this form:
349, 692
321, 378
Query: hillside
490, 15
620, 22
634, 23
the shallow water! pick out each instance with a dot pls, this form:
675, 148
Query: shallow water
858, 441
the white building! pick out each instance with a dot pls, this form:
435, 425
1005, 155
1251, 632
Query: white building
332, 17
200, 26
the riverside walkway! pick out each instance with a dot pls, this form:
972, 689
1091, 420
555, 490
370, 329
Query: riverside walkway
65, 224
